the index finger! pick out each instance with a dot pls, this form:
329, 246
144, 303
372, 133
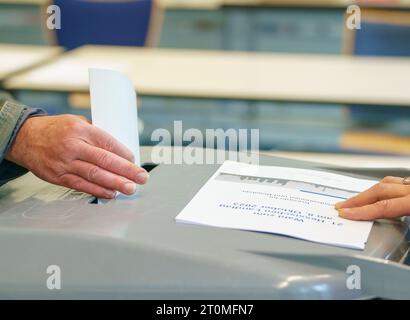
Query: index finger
107, 142
112, 163
380, 191
391, 208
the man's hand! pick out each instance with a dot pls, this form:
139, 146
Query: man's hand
68, 151
388, 199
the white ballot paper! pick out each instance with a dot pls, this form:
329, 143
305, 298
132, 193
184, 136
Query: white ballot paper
114, 108
287, 201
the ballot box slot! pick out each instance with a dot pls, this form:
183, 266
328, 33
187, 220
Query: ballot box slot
149, 166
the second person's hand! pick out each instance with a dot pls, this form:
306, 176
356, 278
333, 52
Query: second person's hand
390, 198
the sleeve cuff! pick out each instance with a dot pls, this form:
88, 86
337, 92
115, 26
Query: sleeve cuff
12, 117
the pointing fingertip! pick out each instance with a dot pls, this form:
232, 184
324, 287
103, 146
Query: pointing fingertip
130, 188
110, 194
339, 204
341, 213
142, 177
344, 213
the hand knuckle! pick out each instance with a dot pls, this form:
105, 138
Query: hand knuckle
386, 179
72, 124
63, 179
68, 145
383, 206
381, 188
105, 160
68, 149
93, 173
70, 181
77, 183
109, 144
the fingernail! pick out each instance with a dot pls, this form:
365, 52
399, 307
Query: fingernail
142, 177
339, 204
130, 188
343, 212
111, 194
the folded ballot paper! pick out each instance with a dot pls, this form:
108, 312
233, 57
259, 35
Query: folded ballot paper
287, 201
114, 109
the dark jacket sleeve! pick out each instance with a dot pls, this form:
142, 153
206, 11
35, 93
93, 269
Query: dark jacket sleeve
12, 117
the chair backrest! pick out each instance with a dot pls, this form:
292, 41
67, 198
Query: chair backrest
379, 39
383, 33
108, 22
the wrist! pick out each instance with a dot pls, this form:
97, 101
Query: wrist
19, 148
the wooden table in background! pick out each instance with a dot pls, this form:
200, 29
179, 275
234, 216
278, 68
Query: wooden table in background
231, 75
16, 58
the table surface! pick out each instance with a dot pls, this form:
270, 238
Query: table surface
15, 58
231, 75
214, 4
345, 159
25, 2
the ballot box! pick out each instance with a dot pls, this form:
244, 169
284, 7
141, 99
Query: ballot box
58, 244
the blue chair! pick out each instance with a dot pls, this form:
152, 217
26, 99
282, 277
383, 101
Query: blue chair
381, 39
382, 34
108, 22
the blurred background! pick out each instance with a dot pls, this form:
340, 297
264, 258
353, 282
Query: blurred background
288, 28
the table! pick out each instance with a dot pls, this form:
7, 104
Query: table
25, 2
346, 160
16, 58
231, 75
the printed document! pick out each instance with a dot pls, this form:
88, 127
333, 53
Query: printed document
287, 201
